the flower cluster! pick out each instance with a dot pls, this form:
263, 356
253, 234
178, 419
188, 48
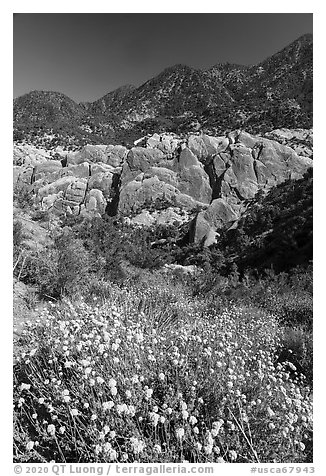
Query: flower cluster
104, 382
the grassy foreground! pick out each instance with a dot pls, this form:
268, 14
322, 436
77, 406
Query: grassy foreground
152, 374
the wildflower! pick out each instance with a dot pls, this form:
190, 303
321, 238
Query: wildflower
180, 433
208, 449
25, 386
137, 446
271, 426
112, 434
107, 405
302, 446
51, 430
66, 399
112, 382
270, 412
41, 400
113, 391
99, 380
93, 417
162, 419
154, 418
74, 412
233, 455
62, 429
192, 420
30, 445
86, 405
157, 449
135, 379
199, 446
128, 393
161, 376
98, 449
148, 393
34, 416
185, 414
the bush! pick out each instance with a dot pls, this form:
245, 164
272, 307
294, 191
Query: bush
58, 269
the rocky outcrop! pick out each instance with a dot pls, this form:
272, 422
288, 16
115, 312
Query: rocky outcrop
139, 159
167, 143
300, 140
239, 166
89, 153
25, 154
170, 216
151, 192
116, 155
209, 180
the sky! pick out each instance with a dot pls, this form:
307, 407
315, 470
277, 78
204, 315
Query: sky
85, 56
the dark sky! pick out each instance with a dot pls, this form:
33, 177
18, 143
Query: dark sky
87, 55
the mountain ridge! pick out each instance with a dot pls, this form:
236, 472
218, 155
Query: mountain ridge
260, 97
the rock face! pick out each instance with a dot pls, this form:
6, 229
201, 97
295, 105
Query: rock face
209, 180
237, 171
29, 155
300, 140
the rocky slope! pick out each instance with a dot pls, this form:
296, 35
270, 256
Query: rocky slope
274, 94
166, 179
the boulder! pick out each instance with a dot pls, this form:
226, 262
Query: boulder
46, 168
25, 154
204, 146
53, 188
89, 153
194, 181
153, 141
101, 168
139, 159
101, 181
165, 175
187, 159
281, 161
80, 171
116, 155
152, 192
243, 179
75, 192
300, 140
48, 202
219, 215
144, 218
95, 201
139, 194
